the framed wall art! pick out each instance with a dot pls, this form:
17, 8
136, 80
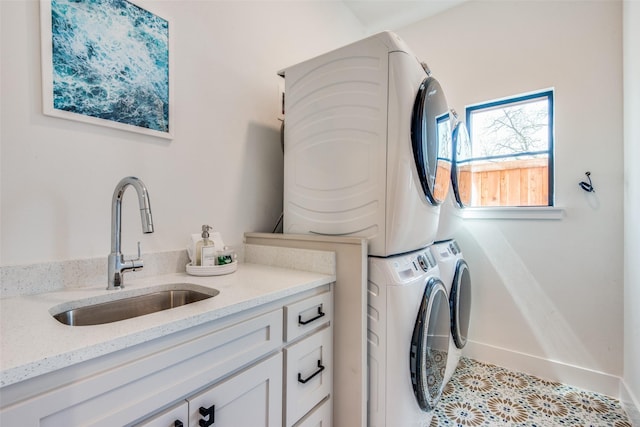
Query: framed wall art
107, 62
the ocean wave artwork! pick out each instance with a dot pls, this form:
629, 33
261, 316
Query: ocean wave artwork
111, 61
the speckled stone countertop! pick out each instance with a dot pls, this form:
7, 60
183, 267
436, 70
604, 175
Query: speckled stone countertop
33, 343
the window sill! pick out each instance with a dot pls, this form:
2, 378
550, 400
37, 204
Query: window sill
537, 212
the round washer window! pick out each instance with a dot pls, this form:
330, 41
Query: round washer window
460, 304
430, 345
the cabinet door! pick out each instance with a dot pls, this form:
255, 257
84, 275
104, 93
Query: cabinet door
308, 372
253, 397
175, 416
321, 416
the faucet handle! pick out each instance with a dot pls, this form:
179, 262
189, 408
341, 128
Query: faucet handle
137, 263
138, 258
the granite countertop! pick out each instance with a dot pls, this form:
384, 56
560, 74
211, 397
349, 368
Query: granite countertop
33, 343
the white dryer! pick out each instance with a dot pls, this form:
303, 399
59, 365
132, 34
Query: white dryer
363, 126
459, 195
408, 339
454, 272
461, 178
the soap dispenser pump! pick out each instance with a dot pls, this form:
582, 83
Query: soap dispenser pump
205, 249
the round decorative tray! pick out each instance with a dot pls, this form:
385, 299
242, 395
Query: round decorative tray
214, 270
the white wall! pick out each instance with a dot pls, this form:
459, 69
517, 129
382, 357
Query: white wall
551, 289
632, 207
224, 166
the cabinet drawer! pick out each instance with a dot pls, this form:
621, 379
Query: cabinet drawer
306, 315
251, 398
176, 416
320, 416
308, 373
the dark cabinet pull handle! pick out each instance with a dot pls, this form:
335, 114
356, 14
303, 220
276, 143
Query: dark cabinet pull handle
306, 322
320, 369
210, 412
178, 423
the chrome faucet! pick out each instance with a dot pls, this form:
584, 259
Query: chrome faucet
117, 264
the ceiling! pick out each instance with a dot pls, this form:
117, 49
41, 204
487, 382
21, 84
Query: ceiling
378, 15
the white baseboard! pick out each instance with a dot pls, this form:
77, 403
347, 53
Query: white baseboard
630, 404
576, 376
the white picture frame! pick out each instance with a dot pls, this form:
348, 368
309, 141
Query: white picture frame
109, 64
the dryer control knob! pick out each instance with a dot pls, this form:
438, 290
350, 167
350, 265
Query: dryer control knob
424, 264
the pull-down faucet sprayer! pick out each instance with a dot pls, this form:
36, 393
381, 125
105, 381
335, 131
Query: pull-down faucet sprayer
116, 262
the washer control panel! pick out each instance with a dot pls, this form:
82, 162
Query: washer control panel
411, 265
446, 250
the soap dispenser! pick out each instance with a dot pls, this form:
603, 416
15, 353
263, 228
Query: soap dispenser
205, 249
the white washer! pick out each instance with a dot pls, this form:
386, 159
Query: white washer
408, 339
454, 272
362, 136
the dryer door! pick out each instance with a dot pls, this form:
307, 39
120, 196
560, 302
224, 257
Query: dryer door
461, 168
460, 303
430, 345
431, 140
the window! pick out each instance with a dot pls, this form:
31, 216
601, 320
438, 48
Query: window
511, 158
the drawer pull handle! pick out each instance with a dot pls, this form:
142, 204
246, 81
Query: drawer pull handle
207, 412
306, 322
305, 380
178, 423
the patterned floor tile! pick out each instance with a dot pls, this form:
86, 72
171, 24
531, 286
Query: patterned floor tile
484, 395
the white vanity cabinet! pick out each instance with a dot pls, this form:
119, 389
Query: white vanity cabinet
240, 370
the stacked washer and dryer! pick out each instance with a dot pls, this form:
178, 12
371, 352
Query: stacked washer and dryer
368, 153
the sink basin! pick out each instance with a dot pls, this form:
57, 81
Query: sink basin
134, 305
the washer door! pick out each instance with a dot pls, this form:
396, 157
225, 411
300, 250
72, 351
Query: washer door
461, 168
460, 303
431, 140
430, 345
